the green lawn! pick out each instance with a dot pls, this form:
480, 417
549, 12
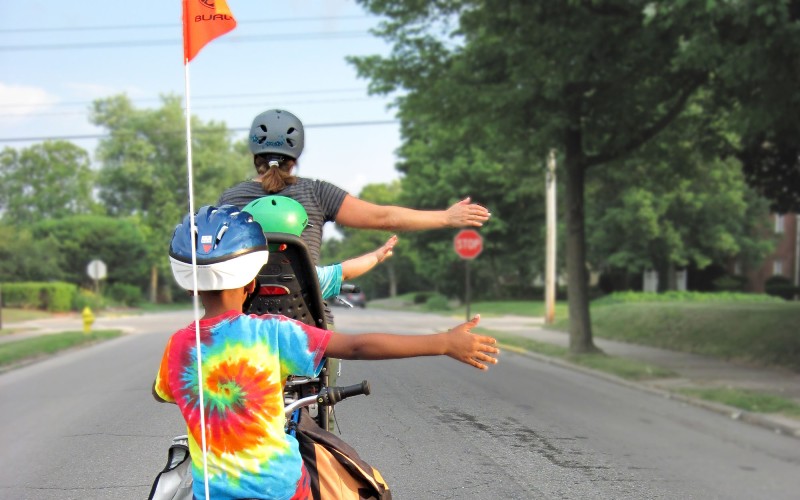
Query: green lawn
747, 400
34, 347
14, 315
761, 332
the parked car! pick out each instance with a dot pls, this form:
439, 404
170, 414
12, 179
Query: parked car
357, 299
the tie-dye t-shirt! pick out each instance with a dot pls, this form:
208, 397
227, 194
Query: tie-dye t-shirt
245, 361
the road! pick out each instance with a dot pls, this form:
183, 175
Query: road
83, 425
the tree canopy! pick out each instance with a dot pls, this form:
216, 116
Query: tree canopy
144, 170
595, 79
52, 179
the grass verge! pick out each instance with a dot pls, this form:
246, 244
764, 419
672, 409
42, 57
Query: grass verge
761, 332
753, 401
622, 367
13, 315
31, 348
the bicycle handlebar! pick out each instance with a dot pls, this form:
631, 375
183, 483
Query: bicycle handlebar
329, 396
349, 288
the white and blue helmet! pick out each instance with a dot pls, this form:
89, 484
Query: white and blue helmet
230, 249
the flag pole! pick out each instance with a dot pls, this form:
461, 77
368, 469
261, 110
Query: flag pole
195, 294
206, 30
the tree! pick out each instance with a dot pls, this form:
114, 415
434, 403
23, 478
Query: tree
756, 86
595, 79
772, 166
24, 257
48, 180
675, 203
123, 243
393, 274
144, 168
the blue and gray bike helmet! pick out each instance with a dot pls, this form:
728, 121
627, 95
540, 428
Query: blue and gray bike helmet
231, 249
277, 132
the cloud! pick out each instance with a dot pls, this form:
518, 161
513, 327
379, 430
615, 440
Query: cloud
17, 101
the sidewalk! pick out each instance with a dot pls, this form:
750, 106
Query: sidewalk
694, 371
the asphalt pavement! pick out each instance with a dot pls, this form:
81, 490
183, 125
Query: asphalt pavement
693, 371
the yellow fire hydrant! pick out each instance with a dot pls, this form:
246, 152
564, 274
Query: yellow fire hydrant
88, 319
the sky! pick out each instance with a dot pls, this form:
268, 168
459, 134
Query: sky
56, 57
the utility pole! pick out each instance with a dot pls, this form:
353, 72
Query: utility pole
550, 241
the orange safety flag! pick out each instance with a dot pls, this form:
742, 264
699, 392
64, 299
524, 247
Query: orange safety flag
203, 21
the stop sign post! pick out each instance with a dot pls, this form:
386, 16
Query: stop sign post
468, 244
96, 270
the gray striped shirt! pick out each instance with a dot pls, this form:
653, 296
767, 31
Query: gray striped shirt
321, 200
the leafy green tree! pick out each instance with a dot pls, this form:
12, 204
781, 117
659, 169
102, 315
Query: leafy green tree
25, 257
394, 274
595, 79
144, 169
668, 217
756, 86
675, 203
48, 180
123, 243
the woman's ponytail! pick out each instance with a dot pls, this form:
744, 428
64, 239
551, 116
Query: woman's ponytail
275, 172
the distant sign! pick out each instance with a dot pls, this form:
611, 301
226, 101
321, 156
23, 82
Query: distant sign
468, 244
97, 269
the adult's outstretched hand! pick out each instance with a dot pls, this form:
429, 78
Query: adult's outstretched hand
465, 213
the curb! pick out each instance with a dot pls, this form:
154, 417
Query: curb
758, 419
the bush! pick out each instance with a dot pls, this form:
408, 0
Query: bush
422, 297
730, 283
87, 298
781, 286
437, 303
674, 296
53, 296
125, 294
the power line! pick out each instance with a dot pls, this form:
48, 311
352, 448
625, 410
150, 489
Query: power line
175, 25
283, 37
200, 97
234, 129
226, 106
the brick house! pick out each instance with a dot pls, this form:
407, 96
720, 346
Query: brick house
784, 259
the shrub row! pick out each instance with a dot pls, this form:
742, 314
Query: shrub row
53, 296
675, 296
58, 296
781, 286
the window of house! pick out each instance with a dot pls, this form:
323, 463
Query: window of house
779, 224
777, 267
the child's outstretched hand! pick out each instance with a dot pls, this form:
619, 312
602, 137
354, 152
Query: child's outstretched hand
472, 349
385, 251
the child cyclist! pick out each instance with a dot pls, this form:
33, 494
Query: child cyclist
245, 360
279, 214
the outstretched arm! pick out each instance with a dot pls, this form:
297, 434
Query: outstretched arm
361, 214
459, 343
355, 267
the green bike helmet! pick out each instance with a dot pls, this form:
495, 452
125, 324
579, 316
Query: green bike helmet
278, 214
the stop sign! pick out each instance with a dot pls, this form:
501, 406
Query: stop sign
468, 244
